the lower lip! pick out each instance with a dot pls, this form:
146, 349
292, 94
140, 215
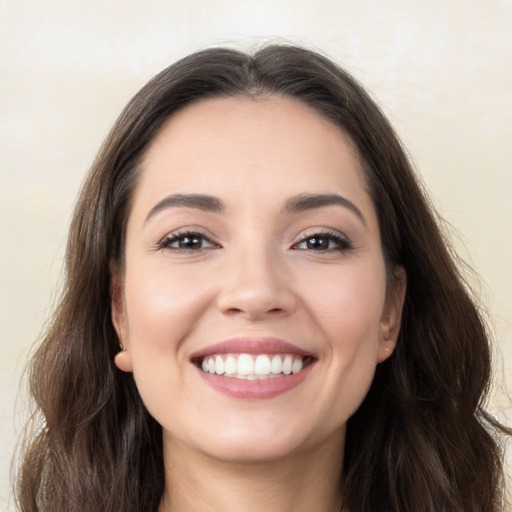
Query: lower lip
254, 389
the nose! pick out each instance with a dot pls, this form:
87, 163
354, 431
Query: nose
257, 285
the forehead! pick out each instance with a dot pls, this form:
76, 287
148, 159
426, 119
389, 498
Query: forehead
267, 147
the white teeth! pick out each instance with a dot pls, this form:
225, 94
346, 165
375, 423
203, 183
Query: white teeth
249, 367
219, 365
231, 365
277, 365
262, 365
287, 365
245, 364
297, 365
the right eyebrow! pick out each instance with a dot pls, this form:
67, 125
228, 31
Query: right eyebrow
202, 202
304, 202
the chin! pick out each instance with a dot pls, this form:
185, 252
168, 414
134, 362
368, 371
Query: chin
249, 454
259, 444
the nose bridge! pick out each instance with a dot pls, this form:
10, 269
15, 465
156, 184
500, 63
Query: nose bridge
257, 282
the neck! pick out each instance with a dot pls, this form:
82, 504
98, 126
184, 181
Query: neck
299, 482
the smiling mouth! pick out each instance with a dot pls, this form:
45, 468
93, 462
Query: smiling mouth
253, 366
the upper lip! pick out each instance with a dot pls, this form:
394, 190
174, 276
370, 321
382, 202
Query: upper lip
252, 346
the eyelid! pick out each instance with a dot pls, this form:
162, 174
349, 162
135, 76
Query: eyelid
174, 236
343, 242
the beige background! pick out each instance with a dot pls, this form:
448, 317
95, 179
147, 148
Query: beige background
441, 69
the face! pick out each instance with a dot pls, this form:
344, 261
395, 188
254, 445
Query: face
253, 304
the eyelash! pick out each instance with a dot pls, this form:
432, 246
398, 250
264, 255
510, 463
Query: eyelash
342, 243
166, 243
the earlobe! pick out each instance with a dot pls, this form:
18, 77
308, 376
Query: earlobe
123, 360
392, 316
385, 350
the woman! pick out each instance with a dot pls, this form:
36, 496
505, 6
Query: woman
259, 312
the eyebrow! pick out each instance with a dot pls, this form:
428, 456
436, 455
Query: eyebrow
304, 202
213, 204
201, 202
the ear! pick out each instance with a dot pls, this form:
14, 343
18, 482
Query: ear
392, 314
118, 308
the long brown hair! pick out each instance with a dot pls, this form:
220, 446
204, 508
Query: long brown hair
421, 440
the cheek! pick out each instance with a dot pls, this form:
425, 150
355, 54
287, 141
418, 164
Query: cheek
348, 303
162, 310
348, 308
162, 305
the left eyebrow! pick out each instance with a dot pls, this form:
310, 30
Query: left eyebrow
304, 202
202, 202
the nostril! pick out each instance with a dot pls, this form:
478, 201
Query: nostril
233, 310
256, 299
253, 311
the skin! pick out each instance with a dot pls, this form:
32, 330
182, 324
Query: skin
253, 275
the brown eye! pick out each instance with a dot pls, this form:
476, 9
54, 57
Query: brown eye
190, 242
318, 243
323, 242
186, 242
